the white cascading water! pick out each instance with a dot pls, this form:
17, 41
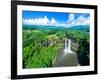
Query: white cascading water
65, 49
69, 46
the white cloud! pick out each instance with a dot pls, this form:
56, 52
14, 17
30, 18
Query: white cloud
40, 21
36, 21
81, 20
53, 21
70, 20
71, 17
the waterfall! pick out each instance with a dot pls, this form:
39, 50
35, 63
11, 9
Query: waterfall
65, 48
69, 45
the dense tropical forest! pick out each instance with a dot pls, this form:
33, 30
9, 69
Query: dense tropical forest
41, 45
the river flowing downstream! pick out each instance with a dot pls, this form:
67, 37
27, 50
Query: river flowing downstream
66, 57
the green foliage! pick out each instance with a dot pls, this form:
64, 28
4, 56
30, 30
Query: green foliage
61, 34
34, 53
82, 38
78, 35
38, 51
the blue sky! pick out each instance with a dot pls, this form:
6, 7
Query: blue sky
54, 18
61, 17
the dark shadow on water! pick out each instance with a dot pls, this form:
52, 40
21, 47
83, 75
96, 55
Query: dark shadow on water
83, 59
71, 59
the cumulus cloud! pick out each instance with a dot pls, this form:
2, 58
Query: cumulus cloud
81, 20
40, 21
71, 17
36, 21
53, 21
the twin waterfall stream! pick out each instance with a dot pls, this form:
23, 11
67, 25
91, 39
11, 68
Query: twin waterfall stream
66, 56
67, 48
